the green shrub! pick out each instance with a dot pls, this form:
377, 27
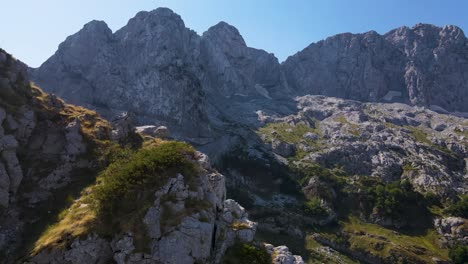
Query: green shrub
134, 172
459, 208
334, 177
122, 194
246, 254
314, 208
459, 254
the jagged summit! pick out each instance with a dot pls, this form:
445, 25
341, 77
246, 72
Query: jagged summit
155, 20
225, 33
97, 26
424, 65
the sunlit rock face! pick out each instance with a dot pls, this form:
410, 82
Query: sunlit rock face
166, 74
425, 63
161, 71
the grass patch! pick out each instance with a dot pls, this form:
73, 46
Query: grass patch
293, 134
351, 128
419, 135
409, 167
121, 196
238, 225
385, 243
286, 132
422, 137
324, 256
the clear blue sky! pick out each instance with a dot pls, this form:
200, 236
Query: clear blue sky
32, 29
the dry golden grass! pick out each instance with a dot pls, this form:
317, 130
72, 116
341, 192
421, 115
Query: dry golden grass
91, 122
238, 225
76, 222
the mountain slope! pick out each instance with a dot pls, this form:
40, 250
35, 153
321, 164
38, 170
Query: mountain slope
75, 188
162, 72
338, 180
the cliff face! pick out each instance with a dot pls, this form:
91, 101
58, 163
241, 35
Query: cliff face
161, 71
187, 218
45, 148
147, 68
75, 188
424, 65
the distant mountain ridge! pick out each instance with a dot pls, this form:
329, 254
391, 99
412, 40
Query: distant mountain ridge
427, 65
163, 72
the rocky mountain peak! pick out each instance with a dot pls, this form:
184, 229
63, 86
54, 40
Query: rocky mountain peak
93, 33
97, 27
423, 65
225, 32
155, 20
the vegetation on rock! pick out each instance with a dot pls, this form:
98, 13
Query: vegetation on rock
123, 192
459, 208
242, 253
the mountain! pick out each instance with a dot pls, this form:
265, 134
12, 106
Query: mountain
161, 72
214, 78
75, 188
423, 65
352, 150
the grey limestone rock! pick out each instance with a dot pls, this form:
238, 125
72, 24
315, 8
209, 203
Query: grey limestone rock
422, 65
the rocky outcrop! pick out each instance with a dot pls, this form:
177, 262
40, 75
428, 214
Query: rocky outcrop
282, 255
423, 65
43, 143
388, 141
453, 230
184, 224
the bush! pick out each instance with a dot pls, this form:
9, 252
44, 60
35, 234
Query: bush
246, 254
134, 172
123, 192
459, 254
314, 208
396, 200
459, 208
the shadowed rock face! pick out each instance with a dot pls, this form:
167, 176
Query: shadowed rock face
427, 64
